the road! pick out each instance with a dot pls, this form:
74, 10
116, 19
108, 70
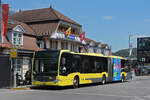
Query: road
138, 89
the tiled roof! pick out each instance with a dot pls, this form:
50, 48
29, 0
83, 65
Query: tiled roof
104, 45
97, 43
29, 43
40, 15
44, 29
88, 41
27, 29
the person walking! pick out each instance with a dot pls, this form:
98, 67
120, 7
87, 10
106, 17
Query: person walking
28, 77
132, 74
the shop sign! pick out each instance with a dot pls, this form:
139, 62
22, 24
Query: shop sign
71, 37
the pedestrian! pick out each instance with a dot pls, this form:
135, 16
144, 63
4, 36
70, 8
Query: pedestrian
136, 71
28, 77
132, 74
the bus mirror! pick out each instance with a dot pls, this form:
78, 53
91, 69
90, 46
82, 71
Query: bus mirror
34, 73
64, 70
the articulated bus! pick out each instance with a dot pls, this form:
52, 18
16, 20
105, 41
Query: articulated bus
66, 68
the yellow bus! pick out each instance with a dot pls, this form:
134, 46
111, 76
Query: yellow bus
66, 68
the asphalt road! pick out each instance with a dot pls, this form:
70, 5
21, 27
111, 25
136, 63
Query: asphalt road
138, 89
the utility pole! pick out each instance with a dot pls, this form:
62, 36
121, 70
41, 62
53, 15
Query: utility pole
130, 46
1, 34
130, 53
0, 21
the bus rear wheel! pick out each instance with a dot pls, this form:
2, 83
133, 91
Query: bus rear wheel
122, 78
103, 80
76, 82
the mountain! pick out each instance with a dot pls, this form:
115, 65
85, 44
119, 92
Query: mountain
125, 53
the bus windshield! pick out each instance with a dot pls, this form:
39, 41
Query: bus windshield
46, 63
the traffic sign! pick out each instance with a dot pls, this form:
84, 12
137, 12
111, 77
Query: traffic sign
13, 53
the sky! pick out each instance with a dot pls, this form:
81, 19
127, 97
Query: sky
106, 21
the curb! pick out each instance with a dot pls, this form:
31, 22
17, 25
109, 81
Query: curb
20, 88
142, 76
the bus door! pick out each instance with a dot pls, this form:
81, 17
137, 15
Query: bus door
110, 69
116, 69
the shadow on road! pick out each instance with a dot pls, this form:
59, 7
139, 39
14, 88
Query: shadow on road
70, 87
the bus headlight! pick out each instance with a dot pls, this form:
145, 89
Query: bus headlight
56, 81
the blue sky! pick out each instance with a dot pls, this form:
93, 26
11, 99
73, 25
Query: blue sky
107, 21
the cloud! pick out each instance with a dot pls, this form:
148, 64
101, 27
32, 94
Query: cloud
146, 20
107, 17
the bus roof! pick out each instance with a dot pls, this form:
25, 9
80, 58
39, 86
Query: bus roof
88, 54
94, 54
117, 57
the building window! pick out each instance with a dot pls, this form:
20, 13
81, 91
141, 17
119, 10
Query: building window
40, 44
53, 44
64, 45
17, 39
14, 39
73, 47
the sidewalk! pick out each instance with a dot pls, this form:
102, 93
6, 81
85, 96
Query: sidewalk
25, 87
142, 77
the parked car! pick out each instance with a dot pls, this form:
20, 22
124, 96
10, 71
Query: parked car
146, 70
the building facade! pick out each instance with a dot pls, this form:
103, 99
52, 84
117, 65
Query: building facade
49, 27
97, 47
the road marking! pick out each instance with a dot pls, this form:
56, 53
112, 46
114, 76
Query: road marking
148, 96
138, 98
123, 86
90, 94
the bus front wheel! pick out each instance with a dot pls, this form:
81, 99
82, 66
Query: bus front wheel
76, 82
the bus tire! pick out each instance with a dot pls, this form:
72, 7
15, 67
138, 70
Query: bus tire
122, 78
76, 82
103, 80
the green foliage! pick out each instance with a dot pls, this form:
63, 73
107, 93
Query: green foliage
125, 53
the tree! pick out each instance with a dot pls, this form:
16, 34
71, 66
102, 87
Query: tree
125, 53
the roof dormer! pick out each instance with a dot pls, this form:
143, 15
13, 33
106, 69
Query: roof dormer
19, 28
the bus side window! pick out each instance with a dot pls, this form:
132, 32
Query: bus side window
96, 64
85, 64
75, 67
92, 68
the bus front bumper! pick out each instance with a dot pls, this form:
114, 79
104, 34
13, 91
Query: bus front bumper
52, 83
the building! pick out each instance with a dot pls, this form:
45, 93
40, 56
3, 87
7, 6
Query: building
97, 47
22, 37
49, 26
143, 55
